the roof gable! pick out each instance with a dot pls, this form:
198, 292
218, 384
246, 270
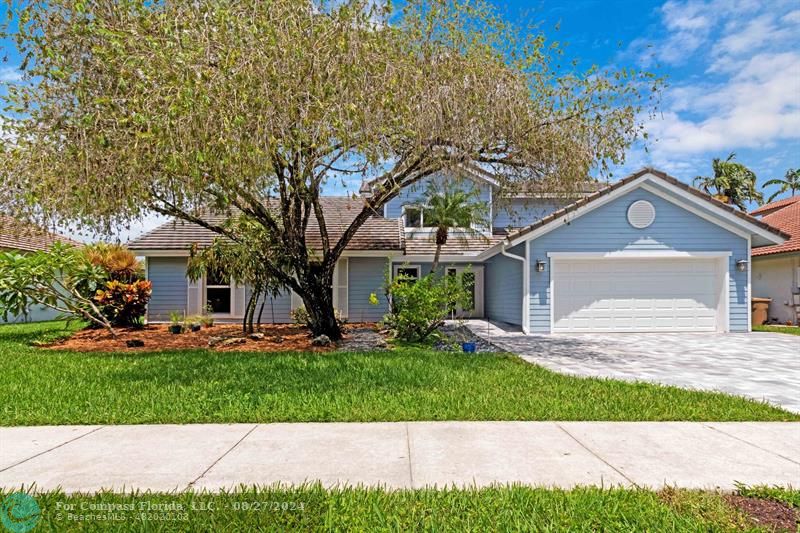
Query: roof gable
786, 219
722, 214
16, 235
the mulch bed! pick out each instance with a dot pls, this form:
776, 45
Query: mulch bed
277, 338
775, 516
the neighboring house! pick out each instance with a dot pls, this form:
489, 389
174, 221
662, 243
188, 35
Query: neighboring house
647, 253
776, 269
16, 237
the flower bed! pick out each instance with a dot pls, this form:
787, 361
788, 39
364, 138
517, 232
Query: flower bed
156, 337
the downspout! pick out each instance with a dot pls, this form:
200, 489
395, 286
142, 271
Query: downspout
525, 279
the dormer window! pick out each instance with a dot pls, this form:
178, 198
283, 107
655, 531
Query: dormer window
413, 216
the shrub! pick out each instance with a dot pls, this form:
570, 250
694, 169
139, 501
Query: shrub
300, 317
124, 304
119, 263
420, 307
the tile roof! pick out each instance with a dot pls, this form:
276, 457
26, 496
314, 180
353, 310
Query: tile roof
457, 244
636, 175
16, 235
786, 219
774, 206
377, 233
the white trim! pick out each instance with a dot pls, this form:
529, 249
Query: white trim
442, 259
370, 253
748, 294
631, 254
695, 211
726, 295
161, 253
551, 271
396, 266
526, 290
730, 217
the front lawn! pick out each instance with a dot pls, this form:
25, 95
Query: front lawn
312, 508
789, 330
41, 387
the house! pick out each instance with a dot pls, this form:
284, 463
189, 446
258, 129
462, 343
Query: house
647, 253
776, 269
19, 238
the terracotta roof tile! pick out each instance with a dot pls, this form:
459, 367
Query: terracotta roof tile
377, 233
786, 219
774, 206
16, 235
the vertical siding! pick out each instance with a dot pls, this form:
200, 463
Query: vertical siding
503, 282
277, 310
518, 213
168, 275
366, 276
606, 229
413, 194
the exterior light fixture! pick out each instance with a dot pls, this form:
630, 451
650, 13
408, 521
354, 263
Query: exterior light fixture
539, 265
741, 265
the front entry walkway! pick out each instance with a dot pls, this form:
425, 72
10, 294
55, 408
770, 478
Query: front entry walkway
759, 365
400, 455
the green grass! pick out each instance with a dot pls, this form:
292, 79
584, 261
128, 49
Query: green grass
789, 330
41, 387
779, 494
312, 508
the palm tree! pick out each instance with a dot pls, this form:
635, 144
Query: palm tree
449, 209
790, 182
732, 183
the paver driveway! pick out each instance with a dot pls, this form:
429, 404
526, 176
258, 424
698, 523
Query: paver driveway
765, 366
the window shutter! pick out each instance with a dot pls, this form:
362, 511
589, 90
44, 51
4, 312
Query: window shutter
194, 300
297, 302
239, 299
340, 289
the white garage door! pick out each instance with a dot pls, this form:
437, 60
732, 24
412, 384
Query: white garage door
637, 295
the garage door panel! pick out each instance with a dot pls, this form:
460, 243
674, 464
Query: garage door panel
607, 295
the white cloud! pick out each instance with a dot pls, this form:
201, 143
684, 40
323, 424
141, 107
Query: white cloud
10, 74
749, 95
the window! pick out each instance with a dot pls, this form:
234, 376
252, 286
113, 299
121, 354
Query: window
411, 272
218, 293
412, 215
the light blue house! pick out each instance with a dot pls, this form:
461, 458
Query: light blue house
645, 254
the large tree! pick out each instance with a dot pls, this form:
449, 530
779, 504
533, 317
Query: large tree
250, 107
790, 182
732, 182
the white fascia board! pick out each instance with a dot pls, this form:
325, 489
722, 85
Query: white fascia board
370, 253
161, 253
442, 259
641, 254
743, 225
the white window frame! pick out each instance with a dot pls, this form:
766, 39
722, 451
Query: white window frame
421, 209
397, 267
230, 286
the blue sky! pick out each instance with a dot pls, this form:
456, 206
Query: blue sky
732, 67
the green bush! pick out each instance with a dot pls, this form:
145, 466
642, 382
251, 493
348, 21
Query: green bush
420, 307
124, 304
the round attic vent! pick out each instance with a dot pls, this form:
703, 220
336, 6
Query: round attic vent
641, 214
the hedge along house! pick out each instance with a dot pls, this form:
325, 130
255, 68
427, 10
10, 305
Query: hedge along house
21, 238
645, 254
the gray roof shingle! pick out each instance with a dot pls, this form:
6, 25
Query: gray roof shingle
377, 233
16, 235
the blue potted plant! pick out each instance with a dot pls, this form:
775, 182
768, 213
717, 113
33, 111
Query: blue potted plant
469, 346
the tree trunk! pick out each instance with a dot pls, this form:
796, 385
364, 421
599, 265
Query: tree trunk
318, 301
247, 325
441, 240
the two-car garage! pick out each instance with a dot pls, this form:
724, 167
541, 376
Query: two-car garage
638, 293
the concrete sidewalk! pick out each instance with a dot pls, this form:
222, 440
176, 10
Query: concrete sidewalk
400, 454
